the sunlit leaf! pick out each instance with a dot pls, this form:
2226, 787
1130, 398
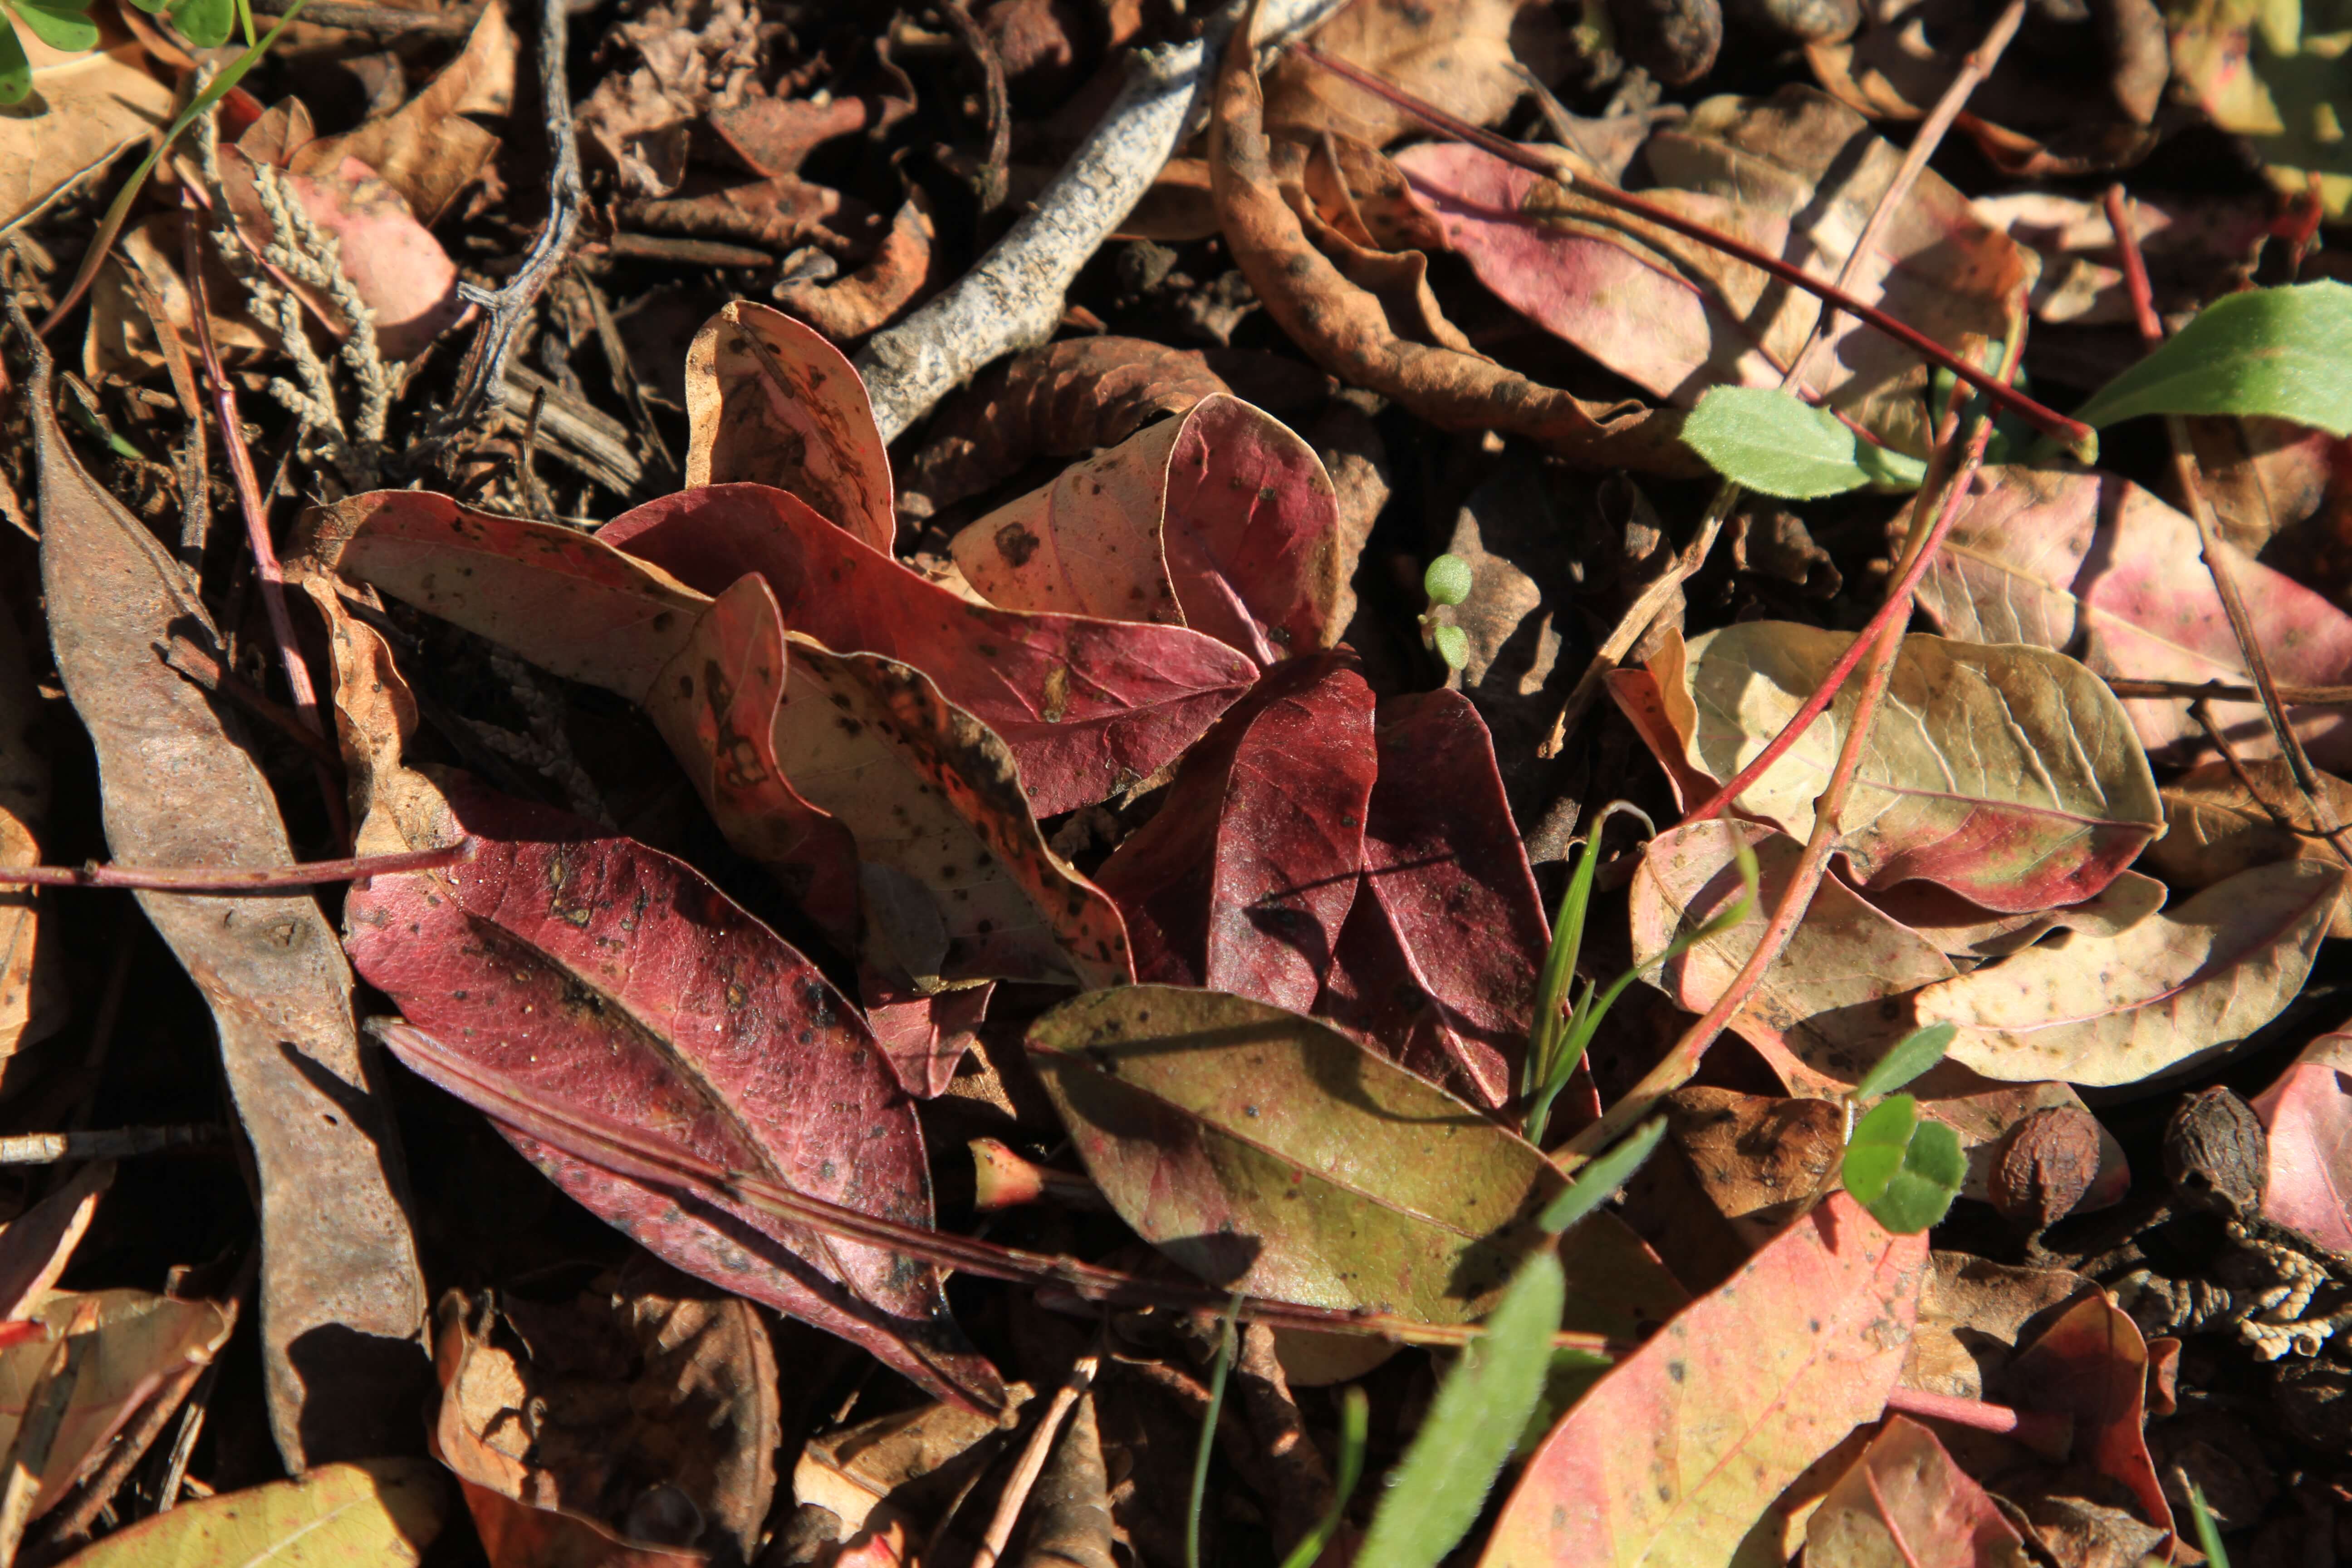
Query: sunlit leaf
1774, 444
1912, 1055
2285, 353
1903, 1170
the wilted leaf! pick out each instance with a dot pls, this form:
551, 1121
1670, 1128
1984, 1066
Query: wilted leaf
609, 978
2271, 75
2092, 1364
1088, 707
2057, 557
36, 1246
1071, 1519
1346, 329
383, 1512
642, 1403
1904, 1502
2215, 829
138, 1342
773, 403
521, 1522
1221, 518
1840, 994
1460, 55
1953, 925
2009, 775
2285, 353
179, 789
426, 149
2173, 991
2308, 1115
849, 308
1445, 875
96, 106
1245, 878
1268, 1152
1682, 1447
1060, 401
855, 1474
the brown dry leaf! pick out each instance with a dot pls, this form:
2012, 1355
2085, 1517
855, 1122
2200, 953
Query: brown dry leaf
1070, 1523
1841, 994
1973, 1313
138, 1342
1459, 53
2154, 1000
1753, 1154
876, 1477
1061, 400
427, 150
33, 999
650, 1401
874, 295
778, 214
342, 1291
94, 106
2214, 828
482, 1433
769, 401
121, 339
1965, 931
36, 1245
1221, 519
1344, 327
773, 135
1905, 1501
693, 56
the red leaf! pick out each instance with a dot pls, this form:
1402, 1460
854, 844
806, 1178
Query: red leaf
2092, 1364
1088, 706
1906, 1500
1450, 883
1696, 1434
612, 980
1242, 882
2308, 1113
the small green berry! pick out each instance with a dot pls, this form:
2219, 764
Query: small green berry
1447, 581
1453, 644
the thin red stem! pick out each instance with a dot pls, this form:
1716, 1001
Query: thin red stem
639, 1157
2078, 436
213, 880
2045, 1431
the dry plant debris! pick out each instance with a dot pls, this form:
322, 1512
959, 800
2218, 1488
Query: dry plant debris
787, 784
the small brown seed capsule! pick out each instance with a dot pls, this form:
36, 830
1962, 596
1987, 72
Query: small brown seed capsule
2216, 1154
2045, 1166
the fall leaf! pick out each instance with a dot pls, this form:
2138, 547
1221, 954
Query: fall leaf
1905, 1499
99, 104
2173, 991
388, 1511
2215, 829
2308, 1114
1203, 1119
1689, 1440
608, 977
2007, 774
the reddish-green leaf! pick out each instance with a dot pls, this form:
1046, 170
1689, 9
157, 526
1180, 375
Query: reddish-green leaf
1269, 1152
1088, 706
609, 979
1679, 1451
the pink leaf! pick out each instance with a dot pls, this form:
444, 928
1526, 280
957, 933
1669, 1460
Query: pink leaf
2308, 1113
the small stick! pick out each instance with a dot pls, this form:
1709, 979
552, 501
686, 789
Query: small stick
2201, 712
628, 245
73, 1527
184, 1442
2225, 691
381, 21
1032, 1460
2078, 436
2045, 1431
36, 1432
483, 380
996, 175
256, 522
2209, 543
113, 1143
188, 659
208, 879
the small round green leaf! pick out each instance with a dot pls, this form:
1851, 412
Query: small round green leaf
1905, 1171
1453, 646
15, 70
205, 23
1912, 1055
58, 24
1447, 581
1774, 443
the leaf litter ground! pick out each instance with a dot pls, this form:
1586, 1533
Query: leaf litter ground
934, 924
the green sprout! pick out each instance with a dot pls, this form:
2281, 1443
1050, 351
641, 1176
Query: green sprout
1905, 1169
1447, 583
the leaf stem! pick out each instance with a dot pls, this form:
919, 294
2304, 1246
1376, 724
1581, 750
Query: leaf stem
2078, 436
217, 879
2045, 1431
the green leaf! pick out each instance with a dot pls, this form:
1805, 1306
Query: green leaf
1447, 581
15, 70
1596, 1183
152, 8
1905, 1171
1774, 444
1437, 1493
1888, 468
1355, 1428
58, 24
1453, 646
1909, 1056
205, 23
2285, 353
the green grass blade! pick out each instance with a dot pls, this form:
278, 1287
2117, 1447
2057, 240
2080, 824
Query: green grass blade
1599, 1181
1355, 1431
